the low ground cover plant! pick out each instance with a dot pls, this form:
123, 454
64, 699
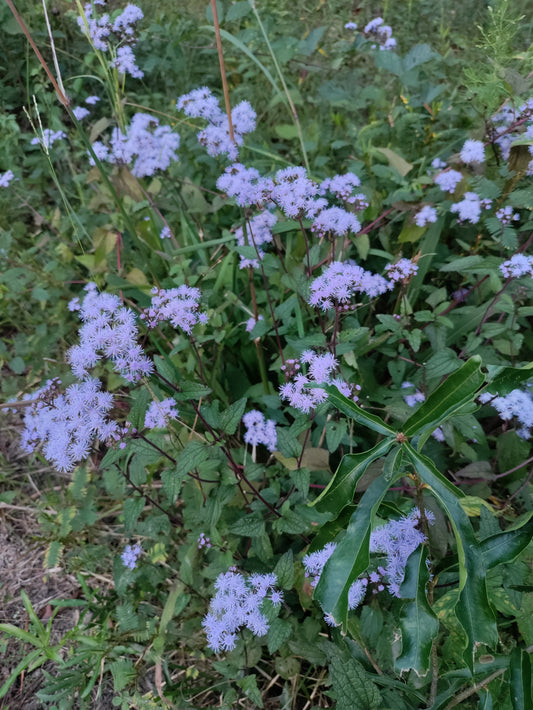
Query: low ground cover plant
285, 297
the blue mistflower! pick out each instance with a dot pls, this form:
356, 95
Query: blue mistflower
472, 152
130, 555
160, 413
448, 180
469, 209
259, 430
518, 265
236, 604
5, 178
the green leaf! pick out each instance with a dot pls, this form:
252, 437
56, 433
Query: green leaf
520, 686
335, 432
278, 633
505, 546
341, 489
351, 556
133, 507
249, 686
396, 161
351, 684
26, 661
249, 526
457, 390
172, 482
24, 636
473, 609
418, 623
417, 55
232, 416
284, 570
352, 410
502, 380
194, 453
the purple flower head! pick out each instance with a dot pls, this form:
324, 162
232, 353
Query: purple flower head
149, 146
518, 265
259, 430
438, 164
80, 112
109, 331
180, 306
97, 30
251, 322
426, 215
130, 555
237, 603
6, 178
165, 233
160, 413
472, 152
91, 100
401, 270
342, 186
469, 209
397, 539
448, 180
245, 184
294, 192
376, 30
200, 103
123, 26
518, 404
340, 281
335, 220
415, 398
125, 62
66, 425
350, 26
258, 232
204, 541
506, 215
48, 138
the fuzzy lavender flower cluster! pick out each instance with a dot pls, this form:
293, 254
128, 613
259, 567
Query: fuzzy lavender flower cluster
518, 265
180, 306
448, 180
517, 404
48, 138
200, 103
109, 331
472, 152
146, 144
259, 430
402, 270
98, 30
320, 369
469, 209
66, 425
6, 178
258, 233
396, 540
159, 413
237, 604
380, 32
340, 281
506, 215
130, 555
426, 215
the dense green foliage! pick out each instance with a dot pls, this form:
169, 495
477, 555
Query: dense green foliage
460, 630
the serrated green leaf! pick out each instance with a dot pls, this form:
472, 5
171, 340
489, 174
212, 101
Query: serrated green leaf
352, 410
133, 507
473, 609
248, 684
172, 482
341, 489
418, 623
249, 526
351, 684
284, 570
278, 633
351, 556
232, 415
457, 390
194, 453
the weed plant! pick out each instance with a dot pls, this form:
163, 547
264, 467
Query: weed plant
267, 289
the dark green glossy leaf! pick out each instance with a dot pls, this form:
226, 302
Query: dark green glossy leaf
352, 410
520, 686
473, 609
351, 557
502, 380
340, 490
457, 390
505, 546
418, 623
